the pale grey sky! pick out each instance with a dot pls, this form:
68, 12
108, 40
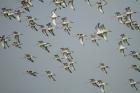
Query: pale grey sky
13, 77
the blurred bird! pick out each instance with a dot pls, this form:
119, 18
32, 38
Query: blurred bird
65, 24
58, 3
26, 4
71, 64
101, 85
30, 72
16, 44
16, 36
4, 41
50, 28
136, 67
129, 23
17, 14
32, 23
136, 26
132, 83
54, 17
94, 39
29, 57
89, 3
8, 13
128, 12
81, 37
94, 82
44, 30
50, 75
57, 58
67, 67
100, 5
71, 4
101, 31
124, 39
66, 52
120, 17
135, 54
44, 45
103, 67
122, 48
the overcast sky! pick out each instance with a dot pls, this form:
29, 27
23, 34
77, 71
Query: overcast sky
13, 66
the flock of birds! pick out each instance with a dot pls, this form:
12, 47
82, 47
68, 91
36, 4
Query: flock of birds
65, 57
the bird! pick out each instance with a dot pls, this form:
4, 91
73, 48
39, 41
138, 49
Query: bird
81, 37
44, 45
129, 23
26, 4
135, 55
50, 75
120, 17
30, 72
4, 41
8, 12
136, 67
16, 44
32, 23
67, 67
103, 67
132, 83
100, 5
88, 2
94, 39
135, 25
50, 28
128, 13
17, 14
71, 4
54, 17
29, 57
16, 36
71, 64
101, 85
124, 39
122, 48
101, 31
66, 52
44, 30
65, 24
57, 58
93, 82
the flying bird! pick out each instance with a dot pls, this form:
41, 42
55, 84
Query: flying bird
94, 39
67, 67
29, 57
4, 41
50, 75
58, 58
81, 37
136, 67
135, 55
50, 28
54, 17
103, 67
132, 83
100, 5
30, 72
44, 45
101, 31
122, 48
124, 39
65, 24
